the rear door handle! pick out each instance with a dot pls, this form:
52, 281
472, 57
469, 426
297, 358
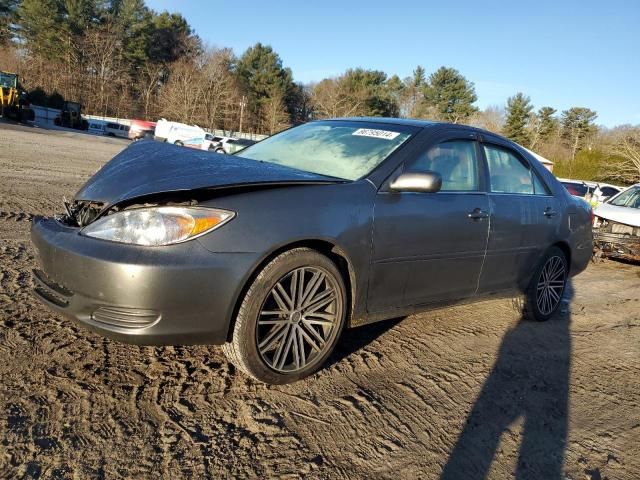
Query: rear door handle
478, 214
550, 212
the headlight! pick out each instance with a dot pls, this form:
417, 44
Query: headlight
157, 225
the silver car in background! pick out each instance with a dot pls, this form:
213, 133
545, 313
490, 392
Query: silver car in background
616, 225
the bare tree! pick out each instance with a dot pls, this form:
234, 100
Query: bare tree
491, 118
182, 94
149, 83
218, 85
624, 162
9, 59
274, 114
103, 70
331, 98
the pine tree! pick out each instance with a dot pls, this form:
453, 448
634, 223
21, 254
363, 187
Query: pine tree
515, 126
263, 78
372, 89
7, 19
577, 125
412, 92
42, 27
450, 95
548, 123
419, 77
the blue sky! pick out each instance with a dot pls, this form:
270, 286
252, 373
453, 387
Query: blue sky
561, 53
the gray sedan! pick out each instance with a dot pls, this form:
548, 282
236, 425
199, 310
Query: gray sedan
336, 223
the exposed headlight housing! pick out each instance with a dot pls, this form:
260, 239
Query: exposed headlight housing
157, 226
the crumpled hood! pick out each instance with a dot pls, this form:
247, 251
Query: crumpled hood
147, 167
626, 215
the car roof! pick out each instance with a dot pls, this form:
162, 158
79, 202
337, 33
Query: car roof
414, 122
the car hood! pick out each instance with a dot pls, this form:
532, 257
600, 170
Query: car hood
626, 215
148, 167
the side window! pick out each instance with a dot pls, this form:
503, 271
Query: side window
455, 161
507, 173
539, 188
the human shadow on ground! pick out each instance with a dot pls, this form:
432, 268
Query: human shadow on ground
529, 381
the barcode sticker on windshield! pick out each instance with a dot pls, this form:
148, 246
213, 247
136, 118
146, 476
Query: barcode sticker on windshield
372, 132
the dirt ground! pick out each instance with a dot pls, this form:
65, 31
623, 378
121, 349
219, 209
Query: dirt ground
468, 392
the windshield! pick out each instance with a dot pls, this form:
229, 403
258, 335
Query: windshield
342, 149
7, 80
629, 198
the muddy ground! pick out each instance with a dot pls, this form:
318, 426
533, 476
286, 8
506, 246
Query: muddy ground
471, 391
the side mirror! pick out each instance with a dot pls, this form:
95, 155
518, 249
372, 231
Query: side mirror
421, 182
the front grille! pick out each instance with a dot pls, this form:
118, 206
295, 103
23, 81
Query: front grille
50, 290
123, 317
79, 213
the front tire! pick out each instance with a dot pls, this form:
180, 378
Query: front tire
544, 295
290, 318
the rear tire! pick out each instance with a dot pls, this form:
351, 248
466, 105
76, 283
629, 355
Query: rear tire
544, 295
280, 334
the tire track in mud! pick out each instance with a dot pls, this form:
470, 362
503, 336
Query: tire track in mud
16, 216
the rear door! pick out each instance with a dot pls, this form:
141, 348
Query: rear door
525, 219
429, 247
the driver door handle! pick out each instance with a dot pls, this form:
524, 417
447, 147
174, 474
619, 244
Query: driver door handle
478, 214
550, 212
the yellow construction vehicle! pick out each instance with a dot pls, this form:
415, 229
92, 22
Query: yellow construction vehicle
13, 102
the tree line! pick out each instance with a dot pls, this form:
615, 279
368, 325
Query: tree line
119, 58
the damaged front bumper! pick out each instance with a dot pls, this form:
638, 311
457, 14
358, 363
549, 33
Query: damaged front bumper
175, 295
617, 240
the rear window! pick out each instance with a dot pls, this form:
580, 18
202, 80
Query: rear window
609, 191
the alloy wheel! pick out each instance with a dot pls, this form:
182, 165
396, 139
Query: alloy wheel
550, 285
299, 319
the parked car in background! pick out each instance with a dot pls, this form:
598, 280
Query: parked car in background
185, 135
234, 145
113, 129
218, 144
335, 223
616, 225
141, 129
593, 192
97, 127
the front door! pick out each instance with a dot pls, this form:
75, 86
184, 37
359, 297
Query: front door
429, 247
